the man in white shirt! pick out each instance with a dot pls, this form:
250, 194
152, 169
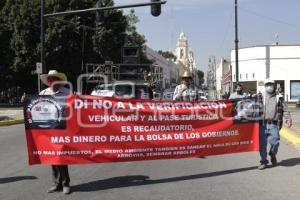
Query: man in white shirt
185, 91
60, 174
238, 94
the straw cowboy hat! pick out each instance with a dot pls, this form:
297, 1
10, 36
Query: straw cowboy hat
53, 73
186, 74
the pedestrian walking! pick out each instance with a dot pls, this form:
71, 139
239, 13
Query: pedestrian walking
274, 109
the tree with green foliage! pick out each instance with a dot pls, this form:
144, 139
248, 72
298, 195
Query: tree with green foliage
20, 29
63, 40
110, 34
133, 38
167, 54
20, 39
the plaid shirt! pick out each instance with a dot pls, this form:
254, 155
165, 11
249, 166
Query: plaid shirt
280, 112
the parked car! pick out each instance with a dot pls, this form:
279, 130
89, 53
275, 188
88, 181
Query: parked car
124, 89
103, 90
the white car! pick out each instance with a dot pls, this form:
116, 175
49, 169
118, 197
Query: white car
124, 89
201, 95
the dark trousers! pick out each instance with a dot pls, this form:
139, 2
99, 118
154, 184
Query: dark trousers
60, 175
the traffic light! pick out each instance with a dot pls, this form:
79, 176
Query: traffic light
155, 9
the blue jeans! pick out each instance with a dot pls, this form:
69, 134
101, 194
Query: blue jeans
268, 133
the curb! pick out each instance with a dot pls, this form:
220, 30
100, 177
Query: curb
291, 136
11, 122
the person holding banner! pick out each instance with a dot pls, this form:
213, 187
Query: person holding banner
185, 91
238, 94
60, 174
273, 109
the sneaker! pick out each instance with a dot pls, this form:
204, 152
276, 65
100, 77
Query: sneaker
66, 190
273, 160
262, 166
54, 188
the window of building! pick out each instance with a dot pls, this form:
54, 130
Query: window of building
181, 53
246, 76
295, 89
240, 76
253, 75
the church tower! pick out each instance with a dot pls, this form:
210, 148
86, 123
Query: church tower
182, 50
182, 54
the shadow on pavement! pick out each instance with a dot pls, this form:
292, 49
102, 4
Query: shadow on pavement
16, 178
290, 162
139, 180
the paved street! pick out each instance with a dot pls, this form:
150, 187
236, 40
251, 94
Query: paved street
295, 112
233, 176
147, 49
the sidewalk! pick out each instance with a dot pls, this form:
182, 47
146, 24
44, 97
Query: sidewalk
292, 135
295, 112
11, 116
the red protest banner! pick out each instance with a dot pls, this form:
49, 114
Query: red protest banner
87, 129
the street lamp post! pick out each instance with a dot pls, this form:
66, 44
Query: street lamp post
236, 44
83, 48
44, 69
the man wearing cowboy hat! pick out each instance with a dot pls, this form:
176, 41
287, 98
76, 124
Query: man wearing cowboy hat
55, 82
273, 111
185, 91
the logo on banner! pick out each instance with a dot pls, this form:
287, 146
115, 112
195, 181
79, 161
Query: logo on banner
246, 110
45, 113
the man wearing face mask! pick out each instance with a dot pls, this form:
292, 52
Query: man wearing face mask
273, 109
185, 91
238, 94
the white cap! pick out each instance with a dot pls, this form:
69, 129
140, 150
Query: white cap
269, 81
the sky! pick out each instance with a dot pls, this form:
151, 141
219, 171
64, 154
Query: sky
209, 25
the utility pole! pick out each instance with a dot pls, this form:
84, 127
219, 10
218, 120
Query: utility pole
236, 44
44, 69
83, 48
